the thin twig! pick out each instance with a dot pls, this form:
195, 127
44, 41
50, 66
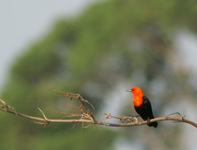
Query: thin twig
87, 117
42, 114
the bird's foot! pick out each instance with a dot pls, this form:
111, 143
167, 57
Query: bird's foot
148, 121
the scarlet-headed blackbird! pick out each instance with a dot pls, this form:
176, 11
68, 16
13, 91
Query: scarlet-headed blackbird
142, 106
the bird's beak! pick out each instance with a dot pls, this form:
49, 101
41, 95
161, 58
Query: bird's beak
128, 90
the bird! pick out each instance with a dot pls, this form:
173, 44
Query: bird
143, 106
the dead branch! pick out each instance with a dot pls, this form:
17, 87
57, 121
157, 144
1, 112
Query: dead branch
85, 115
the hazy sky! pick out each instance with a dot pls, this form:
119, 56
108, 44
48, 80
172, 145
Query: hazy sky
23, 21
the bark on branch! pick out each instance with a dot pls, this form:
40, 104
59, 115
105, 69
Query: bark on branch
86, 116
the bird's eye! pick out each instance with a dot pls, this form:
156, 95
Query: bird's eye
132, 89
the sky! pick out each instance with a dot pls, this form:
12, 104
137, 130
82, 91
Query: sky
22, 22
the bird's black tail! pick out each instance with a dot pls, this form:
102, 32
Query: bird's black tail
150, 124
154, 124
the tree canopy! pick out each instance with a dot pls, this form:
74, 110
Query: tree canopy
111, 42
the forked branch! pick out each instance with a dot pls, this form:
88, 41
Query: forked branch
85, 115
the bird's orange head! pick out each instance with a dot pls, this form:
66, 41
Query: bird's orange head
136, 91
138, 96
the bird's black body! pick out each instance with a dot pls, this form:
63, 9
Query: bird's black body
145, 111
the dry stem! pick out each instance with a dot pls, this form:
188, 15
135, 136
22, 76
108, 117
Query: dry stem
86, 116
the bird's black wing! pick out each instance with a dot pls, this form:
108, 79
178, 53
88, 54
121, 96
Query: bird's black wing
148, 107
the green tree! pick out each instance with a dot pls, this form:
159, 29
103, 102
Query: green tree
112, 41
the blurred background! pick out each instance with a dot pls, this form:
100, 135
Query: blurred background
99, 49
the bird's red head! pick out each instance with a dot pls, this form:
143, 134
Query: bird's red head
138, 96
136, 91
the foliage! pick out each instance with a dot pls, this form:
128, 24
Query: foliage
111, 41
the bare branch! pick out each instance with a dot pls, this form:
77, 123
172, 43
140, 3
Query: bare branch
83, 102
84, 115
42, 113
